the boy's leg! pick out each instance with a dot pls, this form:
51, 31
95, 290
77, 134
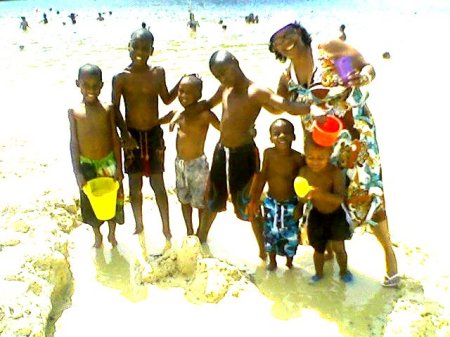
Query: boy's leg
112, 233
257, 226
289, 260
329, 252
319, 260
341, 255
98, 236
272, 261
186, 209
157, 184
206, 221
381, 232
135, 183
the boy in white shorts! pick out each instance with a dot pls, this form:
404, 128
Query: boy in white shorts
191, 165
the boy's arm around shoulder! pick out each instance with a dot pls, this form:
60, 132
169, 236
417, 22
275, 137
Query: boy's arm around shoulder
75, 149
276, 104
213, 120
166, 96
167, 118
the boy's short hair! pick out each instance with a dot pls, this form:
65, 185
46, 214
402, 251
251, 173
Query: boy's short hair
304, 35
222, 57
144, 34
283, 121
91, 69
196, 79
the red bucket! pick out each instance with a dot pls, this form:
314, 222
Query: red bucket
326, 133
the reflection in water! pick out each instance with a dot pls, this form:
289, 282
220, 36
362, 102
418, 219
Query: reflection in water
114, 270
358, 309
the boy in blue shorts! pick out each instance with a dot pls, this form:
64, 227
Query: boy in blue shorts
281, 210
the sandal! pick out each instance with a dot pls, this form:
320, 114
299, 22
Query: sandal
391, 281
347, 277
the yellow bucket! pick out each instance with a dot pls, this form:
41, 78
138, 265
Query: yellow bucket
302, 187
102, 194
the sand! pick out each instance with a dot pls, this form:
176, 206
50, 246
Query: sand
407, 100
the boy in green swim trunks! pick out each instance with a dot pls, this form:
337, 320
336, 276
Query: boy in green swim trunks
95, 147
191, 165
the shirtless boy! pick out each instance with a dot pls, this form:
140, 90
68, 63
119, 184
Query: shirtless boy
326, 217
191, 165
281, 210
95, 147
242, 101
141, 85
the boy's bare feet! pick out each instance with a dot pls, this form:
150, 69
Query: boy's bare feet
289, 262
262, 256
139, 229
98, 241
167, 234
98, 237
272, 266
112, 240
273, 262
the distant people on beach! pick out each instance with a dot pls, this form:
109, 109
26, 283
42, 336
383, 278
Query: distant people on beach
95, 148
356, 151
281, 209
192, 23
252, 18
44, 19
223, 25
141, 86
24, 24
242, 101
342, 35
73, 18
191, 164
325, 218
100, 17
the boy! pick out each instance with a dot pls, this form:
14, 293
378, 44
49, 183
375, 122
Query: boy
280, 167
325, 216
95, 147
236, 157
141, 85
191, 165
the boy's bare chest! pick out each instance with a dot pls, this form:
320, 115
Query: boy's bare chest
284, 165
141, 83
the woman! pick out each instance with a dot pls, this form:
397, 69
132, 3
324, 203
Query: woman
331, 88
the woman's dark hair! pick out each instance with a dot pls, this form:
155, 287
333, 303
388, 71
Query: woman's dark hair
304, 35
